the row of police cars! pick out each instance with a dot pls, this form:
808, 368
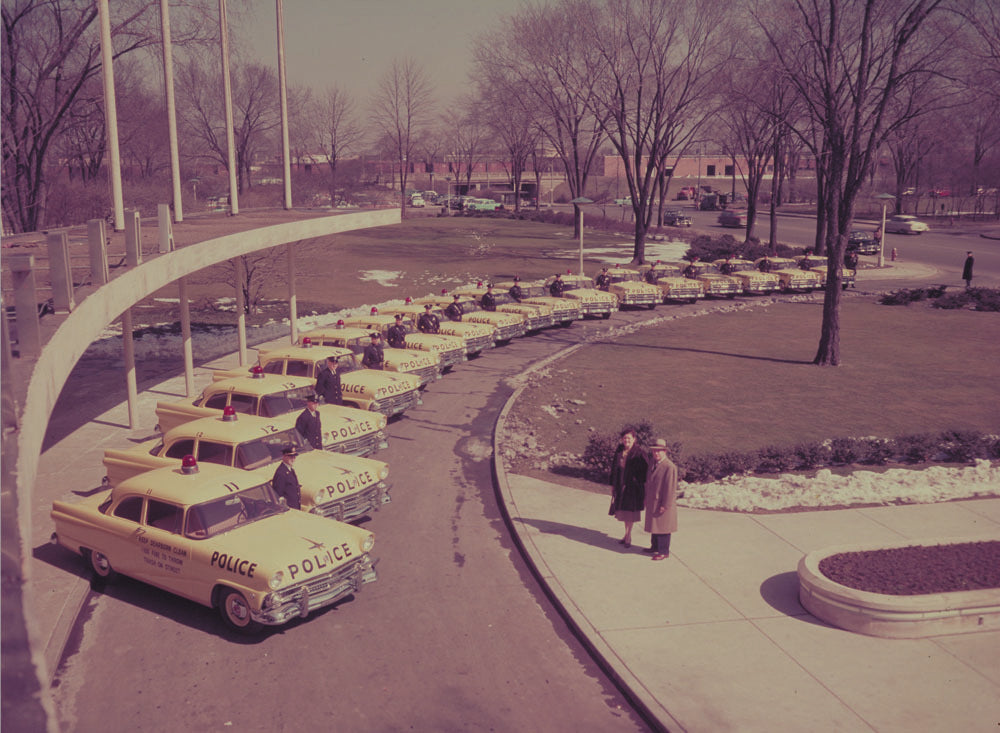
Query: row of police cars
193, 511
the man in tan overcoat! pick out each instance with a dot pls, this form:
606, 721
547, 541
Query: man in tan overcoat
661, 500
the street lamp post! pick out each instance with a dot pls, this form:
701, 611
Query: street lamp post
885, 198
579, 202
447, 198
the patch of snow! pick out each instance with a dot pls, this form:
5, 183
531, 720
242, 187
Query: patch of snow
826, 489
382, 277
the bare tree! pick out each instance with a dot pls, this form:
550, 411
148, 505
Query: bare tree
51, 50
546, 62
400, 112
513, 129
849, 73
255, 112
467, 138
661, 61
340, 131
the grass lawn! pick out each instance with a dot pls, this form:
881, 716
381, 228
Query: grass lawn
741, 381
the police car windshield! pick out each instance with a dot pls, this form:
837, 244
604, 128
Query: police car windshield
503, 298
231, 511
282, 403
470, 306
347, 364
263, 451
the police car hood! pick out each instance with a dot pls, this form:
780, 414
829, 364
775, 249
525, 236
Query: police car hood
300, 545
380, 384
408, 359
437, 342
358, 422
589, 295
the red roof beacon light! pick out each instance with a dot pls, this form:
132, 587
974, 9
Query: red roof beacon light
307, 342
257, 372
228, 414
189, 464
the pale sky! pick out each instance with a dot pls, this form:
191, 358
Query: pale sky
351, 43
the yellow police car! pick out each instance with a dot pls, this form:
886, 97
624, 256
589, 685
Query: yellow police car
507, 325
477, 336
218, 537
536, 315
345, 429
754, 281
390, 393
791, 276
819, 264
672, 285
449, 349
564, 310
424, 365
592, 302
631, 290
333, 484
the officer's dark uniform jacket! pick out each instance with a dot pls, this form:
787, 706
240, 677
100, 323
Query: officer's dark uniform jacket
286, 484
454, 312
489, 303
374, 356
556, 288
603, 281
428, 323
396, 336
309, 425
328, 386
515, 292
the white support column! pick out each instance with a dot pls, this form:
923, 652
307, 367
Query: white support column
60, 272
97, 241
133, 239
165, 228
293, 306
241, 316
131, 388
182, 296
285, 155
227, 93
29, 331
111, 115
168, 87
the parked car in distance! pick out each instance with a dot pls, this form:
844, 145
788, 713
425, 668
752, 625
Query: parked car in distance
863, 242
417, 201
676, 219
733, 218
686, 194
905, 224
627, 201
482, 205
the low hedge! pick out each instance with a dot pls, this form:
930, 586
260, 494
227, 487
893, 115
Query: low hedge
980, 299
951, 446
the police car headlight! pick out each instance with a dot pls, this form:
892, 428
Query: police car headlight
368, 543
383, 421
275, 581
374, 406
383, 473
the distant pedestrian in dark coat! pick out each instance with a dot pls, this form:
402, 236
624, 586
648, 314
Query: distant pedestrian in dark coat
328, 383
285, 483
628, 480
967, 269
374, 356
308, 423
661, 500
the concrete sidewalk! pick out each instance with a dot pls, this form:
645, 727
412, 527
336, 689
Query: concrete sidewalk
714, 638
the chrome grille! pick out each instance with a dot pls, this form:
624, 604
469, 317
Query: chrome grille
301, 599
394, 404
356, 505
359, 445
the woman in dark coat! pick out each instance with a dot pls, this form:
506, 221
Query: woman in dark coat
628, 481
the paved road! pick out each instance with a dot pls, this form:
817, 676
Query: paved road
455, 635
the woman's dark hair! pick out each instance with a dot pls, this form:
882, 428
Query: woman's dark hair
626, 431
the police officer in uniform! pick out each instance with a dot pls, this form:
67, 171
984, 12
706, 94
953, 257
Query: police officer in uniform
489, 302
454, 311
728, 268
328, 383
691, 271
651, 275
556, 286
285, 482
515, 289
428, 322
374, 356
396, 335
603, 281
764, 265
308, 423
